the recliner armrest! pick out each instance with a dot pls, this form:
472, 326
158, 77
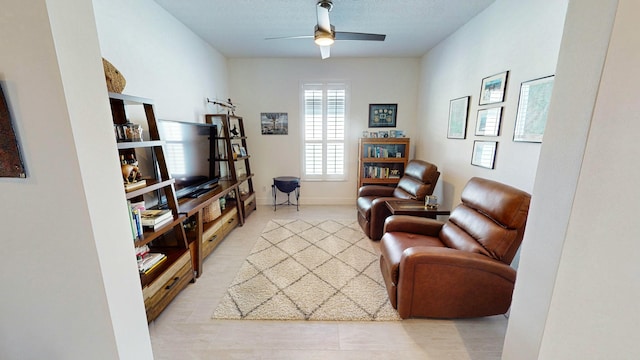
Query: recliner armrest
457, 258
413, 225
448, 283
375, 190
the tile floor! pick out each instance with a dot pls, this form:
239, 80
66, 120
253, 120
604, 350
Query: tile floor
185, 329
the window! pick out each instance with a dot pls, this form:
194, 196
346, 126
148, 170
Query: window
324, 109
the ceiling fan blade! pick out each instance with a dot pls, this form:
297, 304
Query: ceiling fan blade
342, 35
323, 18
325, 51
290, 37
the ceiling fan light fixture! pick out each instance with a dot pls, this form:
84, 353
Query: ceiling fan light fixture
324, 38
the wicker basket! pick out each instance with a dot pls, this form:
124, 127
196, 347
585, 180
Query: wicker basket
115, 80
211, 212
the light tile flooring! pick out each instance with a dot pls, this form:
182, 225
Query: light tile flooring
185, 329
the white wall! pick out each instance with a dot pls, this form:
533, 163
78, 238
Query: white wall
273, 85
582, 304
160, 58
522, 37
71, 289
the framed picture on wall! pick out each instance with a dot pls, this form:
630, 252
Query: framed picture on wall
484, 154
458, 109
488, 122
493, 88
533, 107
383, 115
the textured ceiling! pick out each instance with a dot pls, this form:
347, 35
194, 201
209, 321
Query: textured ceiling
238, 28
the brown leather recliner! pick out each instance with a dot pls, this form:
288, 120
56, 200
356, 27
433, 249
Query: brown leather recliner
459, 268
419, 180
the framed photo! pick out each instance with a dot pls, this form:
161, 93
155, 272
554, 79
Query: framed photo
484, 154
243, 151
488, 122
236, 148
383, 115
533, 107
458, 109
365, 134
493, 88
383, 134
274, 123
373, 134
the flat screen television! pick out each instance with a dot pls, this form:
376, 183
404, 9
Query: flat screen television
190, 149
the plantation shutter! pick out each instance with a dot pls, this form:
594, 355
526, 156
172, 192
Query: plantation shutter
324, 131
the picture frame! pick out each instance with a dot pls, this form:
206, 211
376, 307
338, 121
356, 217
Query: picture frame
458, 113
533, 108
373, 134
383, 115
236, 148
274, 123
383, 134
493, 89
243, 151
484, 154
488, 121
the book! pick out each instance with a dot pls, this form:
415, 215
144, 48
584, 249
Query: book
153, 217
149, 261
135, 185
158, 225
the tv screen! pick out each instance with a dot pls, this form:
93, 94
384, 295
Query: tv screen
189, 150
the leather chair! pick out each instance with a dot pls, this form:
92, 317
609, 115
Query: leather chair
459, 268
419, 179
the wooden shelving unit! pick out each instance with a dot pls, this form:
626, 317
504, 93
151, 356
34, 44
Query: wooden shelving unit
232, 138
161, 285
382, 160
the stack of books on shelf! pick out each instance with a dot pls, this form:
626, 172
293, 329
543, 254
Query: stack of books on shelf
154, 219
147, 260
135, 218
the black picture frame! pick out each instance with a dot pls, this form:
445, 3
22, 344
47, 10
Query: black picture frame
458, 114
383, 115
484, 154
493, 88
533, 108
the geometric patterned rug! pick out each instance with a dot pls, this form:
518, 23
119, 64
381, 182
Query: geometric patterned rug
309, 270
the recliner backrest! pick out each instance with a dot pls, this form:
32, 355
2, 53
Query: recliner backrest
418, 181
490, 220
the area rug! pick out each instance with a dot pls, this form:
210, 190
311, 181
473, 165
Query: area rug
309, 270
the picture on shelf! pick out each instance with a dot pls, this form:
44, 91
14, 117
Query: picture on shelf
236, 149
274, 123
243, 151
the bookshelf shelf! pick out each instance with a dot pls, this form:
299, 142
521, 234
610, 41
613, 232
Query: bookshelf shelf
382, 160
161, 284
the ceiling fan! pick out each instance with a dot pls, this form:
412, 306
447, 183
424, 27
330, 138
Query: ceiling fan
324, 33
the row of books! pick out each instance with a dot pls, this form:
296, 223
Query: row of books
148, 261
142, 219
377, 172
381, 152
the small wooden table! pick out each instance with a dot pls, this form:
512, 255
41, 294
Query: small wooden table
414, 208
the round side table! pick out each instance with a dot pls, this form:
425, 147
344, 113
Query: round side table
287, 185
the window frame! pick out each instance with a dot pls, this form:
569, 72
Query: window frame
324, 86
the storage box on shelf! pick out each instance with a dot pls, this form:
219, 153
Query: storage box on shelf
235, 158
163, 282
382, 160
